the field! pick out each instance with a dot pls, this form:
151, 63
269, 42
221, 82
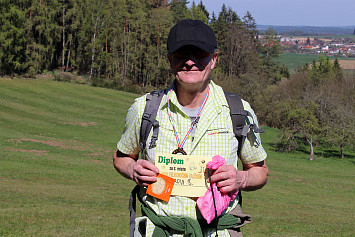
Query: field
57, 178
347, 64
294, 61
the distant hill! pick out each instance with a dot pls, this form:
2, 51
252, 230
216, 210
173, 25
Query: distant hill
309, 29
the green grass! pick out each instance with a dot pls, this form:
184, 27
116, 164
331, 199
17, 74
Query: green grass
295, 61
302, 197
56, 173
57, 178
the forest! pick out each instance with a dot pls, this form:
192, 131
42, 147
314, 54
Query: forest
122, 44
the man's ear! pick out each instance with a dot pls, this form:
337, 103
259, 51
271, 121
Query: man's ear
214, 60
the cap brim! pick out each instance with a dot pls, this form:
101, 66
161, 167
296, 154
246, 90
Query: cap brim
200, 45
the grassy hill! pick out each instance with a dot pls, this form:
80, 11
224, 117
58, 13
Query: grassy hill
57, 178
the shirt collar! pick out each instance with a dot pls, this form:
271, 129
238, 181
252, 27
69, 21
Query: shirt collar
216, 96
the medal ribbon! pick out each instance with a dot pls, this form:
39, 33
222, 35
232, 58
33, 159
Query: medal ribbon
181, 144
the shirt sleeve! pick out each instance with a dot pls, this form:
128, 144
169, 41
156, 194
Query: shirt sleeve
129, 142
252, 150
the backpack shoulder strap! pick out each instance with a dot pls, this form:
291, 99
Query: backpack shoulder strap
240, 120
153, 100
148, 119
237, 115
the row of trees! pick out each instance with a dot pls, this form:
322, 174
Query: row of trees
118, 43
123, 41
96, 37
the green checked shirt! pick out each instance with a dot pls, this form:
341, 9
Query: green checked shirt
214, 136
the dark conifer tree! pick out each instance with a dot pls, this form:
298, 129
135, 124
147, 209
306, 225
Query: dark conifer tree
12, 38
202, 7
179, 10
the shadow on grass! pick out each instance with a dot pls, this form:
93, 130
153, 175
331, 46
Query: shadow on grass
272, 139
319, 151
335, 154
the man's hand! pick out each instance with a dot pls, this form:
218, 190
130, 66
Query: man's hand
144, 173
140, 171
230, 180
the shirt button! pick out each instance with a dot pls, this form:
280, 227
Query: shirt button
186, 208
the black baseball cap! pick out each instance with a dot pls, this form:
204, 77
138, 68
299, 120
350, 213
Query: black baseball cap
191, 32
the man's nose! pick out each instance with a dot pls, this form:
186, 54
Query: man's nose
190, 61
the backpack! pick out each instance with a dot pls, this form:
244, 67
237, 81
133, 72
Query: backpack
240, 121
239, 116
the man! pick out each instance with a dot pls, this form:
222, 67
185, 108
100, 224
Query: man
194, 119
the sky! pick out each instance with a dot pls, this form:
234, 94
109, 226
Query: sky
290, 13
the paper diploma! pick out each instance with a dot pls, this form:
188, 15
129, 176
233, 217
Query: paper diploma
188, 171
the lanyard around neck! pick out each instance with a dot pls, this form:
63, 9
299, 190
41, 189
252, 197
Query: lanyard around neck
181, 144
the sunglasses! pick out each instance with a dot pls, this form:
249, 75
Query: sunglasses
191, 51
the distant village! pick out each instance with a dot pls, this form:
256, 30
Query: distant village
341, 47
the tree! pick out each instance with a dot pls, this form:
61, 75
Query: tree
337, 70
97, 19
12, 39
270, 50
202, 8
336, 101
179, 10
308, 41
198, 13
155, 70
239, 51
44, 35
300, 117
250, 23
338, 117
69, 13
324, 69
221, 26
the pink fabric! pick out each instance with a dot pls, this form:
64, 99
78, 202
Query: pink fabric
205, 203
217, 161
